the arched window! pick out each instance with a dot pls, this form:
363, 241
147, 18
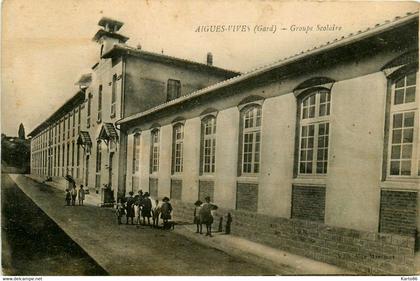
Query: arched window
314, 132
250, 134
178, 148
154, 151
403, 127
208, 145
136, 153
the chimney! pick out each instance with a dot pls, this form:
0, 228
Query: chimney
209, 58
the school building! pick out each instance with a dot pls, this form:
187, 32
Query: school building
81, 139
316, 154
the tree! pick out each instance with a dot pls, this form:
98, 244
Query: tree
21, 132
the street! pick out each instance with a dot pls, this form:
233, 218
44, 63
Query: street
85, 240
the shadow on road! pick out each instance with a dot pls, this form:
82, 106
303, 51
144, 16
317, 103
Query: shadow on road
32, 244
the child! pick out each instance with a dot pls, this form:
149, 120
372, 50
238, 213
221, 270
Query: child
68, 197
73, 195
129, 207
119, 211
156, 213
137, 212
197, 208
81, 195
166, 210
146, 209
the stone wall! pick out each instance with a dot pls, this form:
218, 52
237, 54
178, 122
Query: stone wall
359, 251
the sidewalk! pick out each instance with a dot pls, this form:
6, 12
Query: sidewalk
262, 254
276, 261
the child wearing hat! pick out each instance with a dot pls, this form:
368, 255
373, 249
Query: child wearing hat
146, 208
165, 210
197, 208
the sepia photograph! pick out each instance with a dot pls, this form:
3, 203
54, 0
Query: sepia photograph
210, 138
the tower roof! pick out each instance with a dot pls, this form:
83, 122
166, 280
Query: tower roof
105, 21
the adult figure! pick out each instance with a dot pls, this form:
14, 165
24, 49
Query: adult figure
206, 216
129, 207
81, 195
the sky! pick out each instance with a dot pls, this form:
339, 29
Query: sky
47, 44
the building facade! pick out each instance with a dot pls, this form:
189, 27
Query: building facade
81, 140
328, 139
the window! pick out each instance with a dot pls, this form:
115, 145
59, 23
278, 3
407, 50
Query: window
173, 89
68, 158
77, 160
74, 122
68, 127
98, 157
79, 119
154, 157
98, 165
114, 95
251, 139
64, 128
89, 104
58, 160
63, 163
72, 158
136, 153
177, 148
99, 119
314, 132
403, 128
208, 145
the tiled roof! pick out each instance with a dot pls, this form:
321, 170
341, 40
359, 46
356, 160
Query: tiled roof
108, 131
125, 48
84, 138
338, 42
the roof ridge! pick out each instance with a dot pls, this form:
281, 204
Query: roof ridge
351, 34
173, 57
264, 67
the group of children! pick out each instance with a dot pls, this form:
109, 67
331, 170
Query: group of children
203, 214
135, 207
72, 194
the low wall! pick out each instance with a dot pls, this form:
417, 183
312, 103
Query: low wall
361, 251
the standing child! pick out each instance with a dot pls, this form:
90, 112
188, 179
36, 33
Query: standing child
197, 208
73, 195
81, 195
156, 213
119, 210
68, 197
146, 209
129, 207
166, 211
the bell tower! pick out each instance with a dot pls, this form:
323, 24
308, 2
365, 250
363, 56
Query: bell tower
108, 35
